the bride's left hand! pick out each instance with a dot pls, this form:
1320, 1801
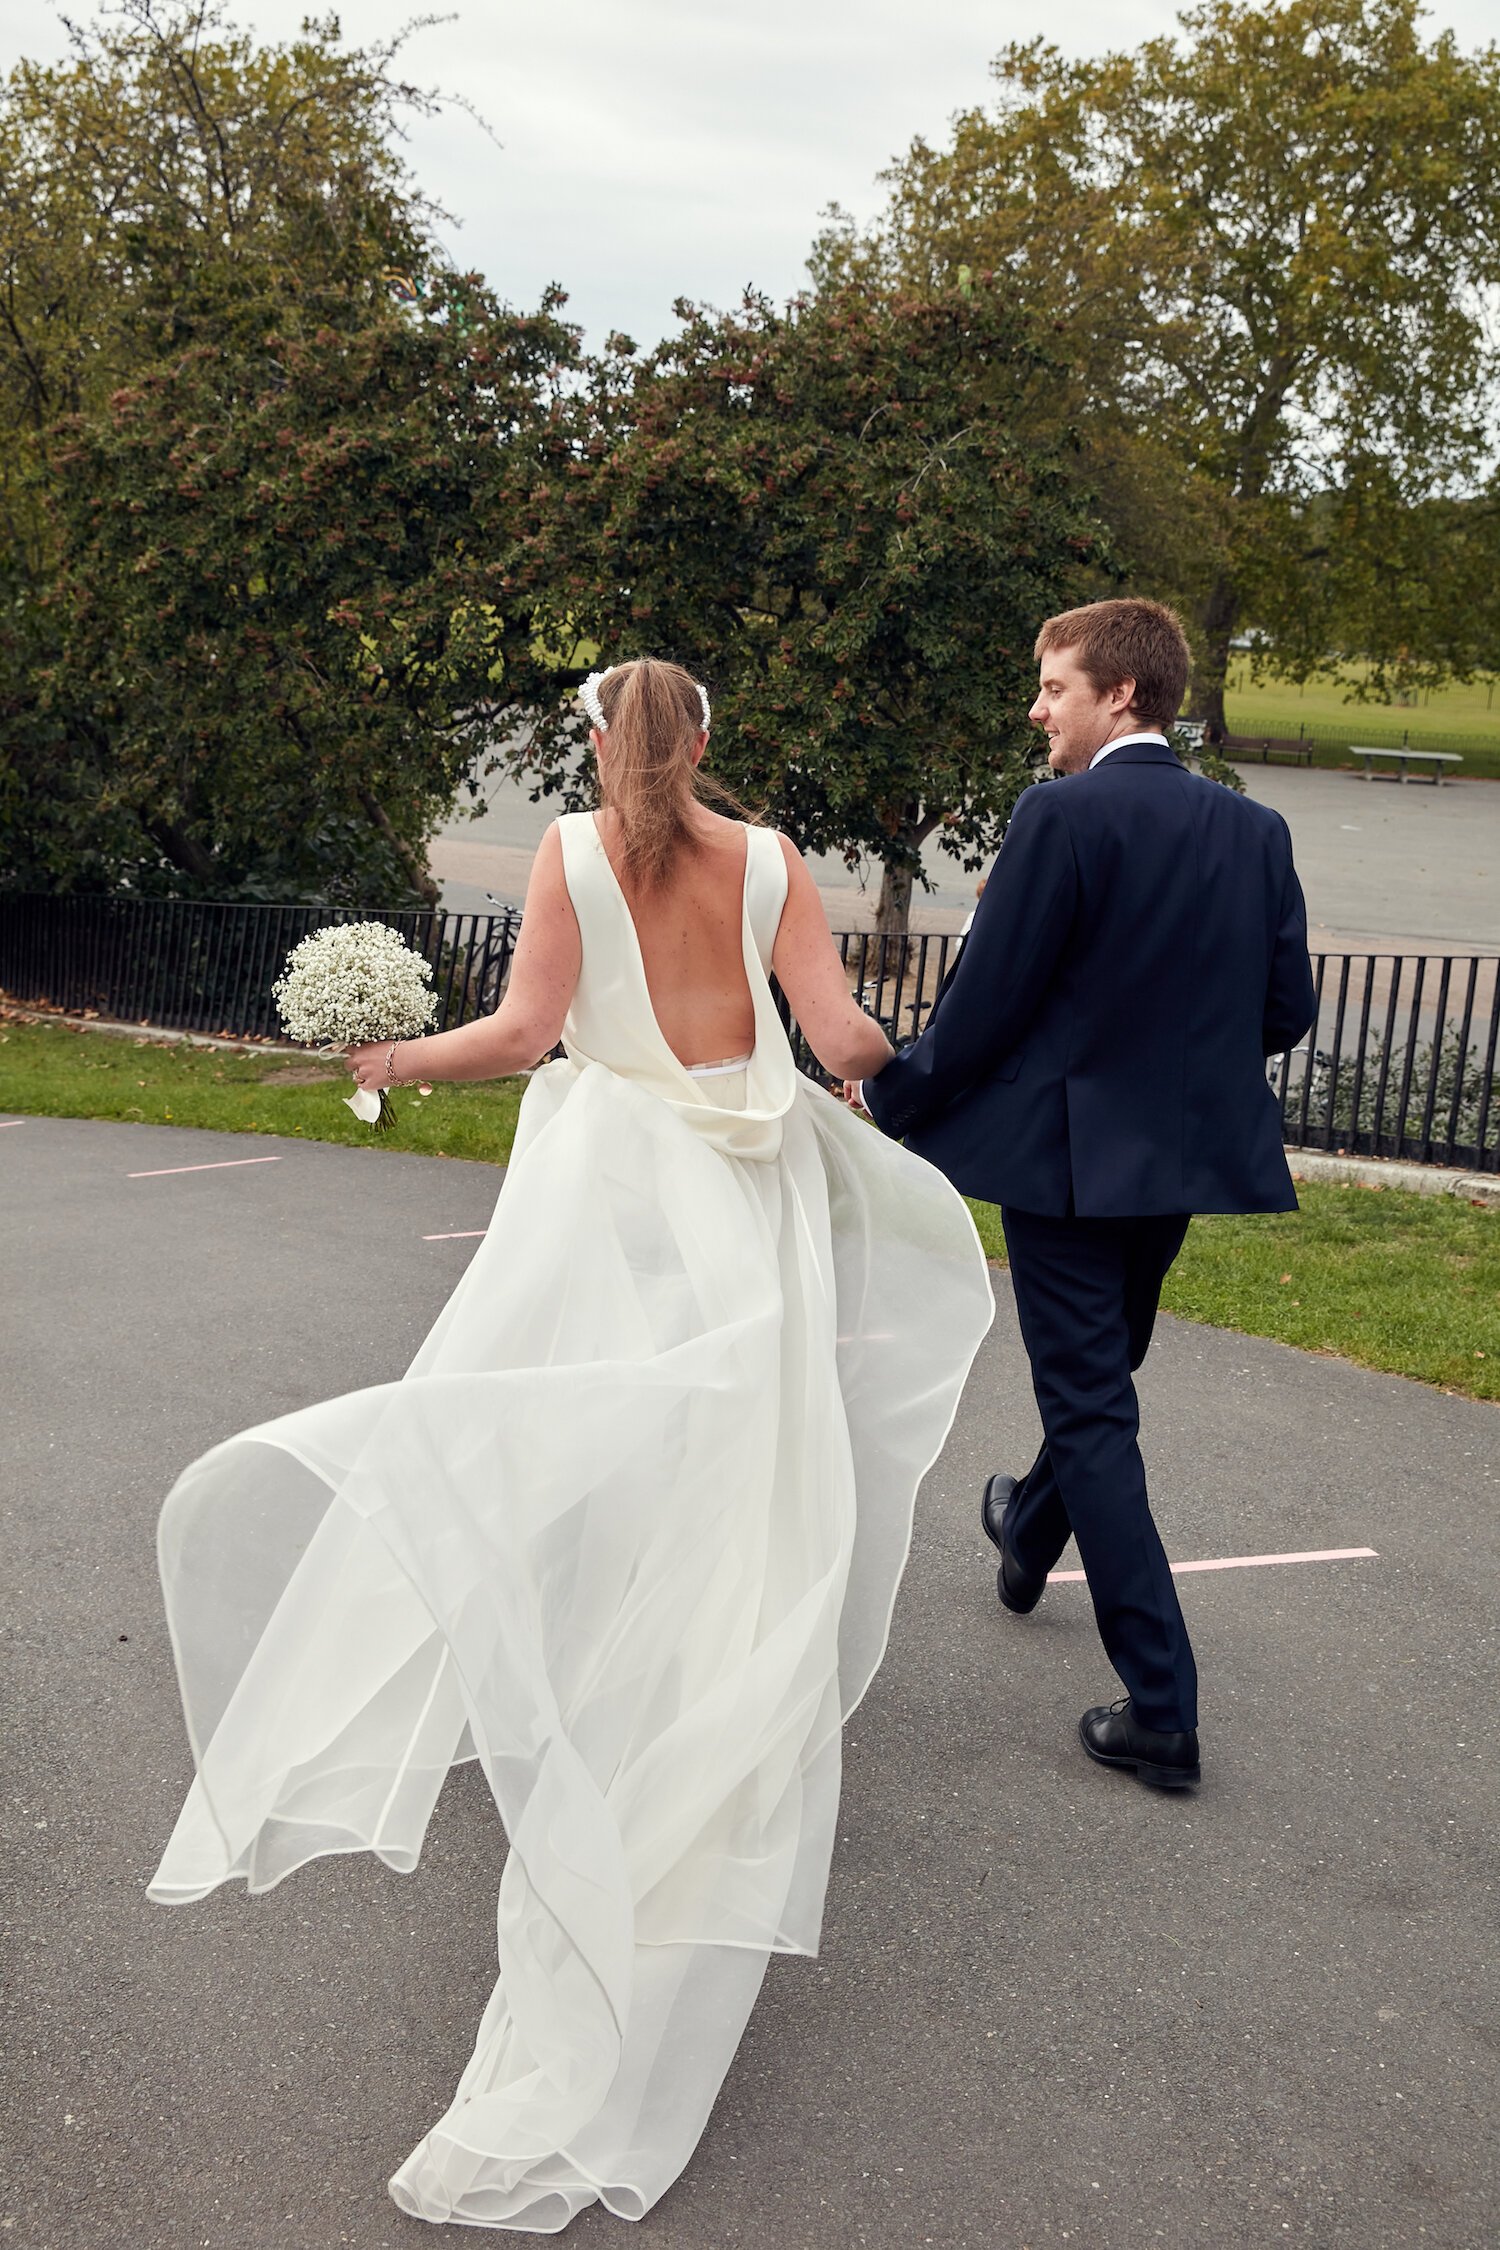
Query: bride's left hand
367, 1065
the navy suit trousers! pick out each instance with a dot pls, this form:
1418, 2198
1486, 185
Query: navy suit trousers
1086, 1295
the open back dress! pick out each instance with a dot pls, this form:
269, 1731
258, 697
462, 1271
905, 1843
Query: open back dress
629, 1531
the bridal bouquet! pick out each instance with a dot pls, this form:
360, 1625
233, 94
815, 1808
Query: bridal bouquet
349, 984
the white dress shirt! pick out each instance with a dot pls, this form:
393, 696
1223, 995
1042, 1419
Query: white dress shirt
1150, 734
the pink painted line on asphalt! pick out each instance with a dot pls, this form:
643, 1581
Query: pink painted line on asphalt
471, 1234
1247, 1562
226, 1164
11, 1121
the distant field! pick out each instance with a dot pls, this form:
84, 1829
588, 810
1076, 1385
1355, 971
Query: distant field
1465, 719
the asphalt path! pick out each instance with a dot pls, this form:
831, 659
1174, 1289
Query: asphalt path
1386, 867
1051, 2006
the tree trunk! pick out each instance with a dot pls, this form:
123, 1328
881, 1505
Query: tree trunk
1220, 616
893, 914
910, 826
1221, 611
181, 849
416, 871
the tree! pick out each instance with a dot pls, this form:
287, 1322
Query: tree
829, 514
256, 444
161, 186
1263, 251
277, 641
1408, 590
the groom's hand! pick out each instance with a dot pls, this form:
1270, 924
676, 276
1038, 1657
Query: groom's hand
854, 1095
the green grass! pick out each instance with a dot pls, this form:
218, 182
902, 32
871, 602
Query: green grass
1465, 719
987, 1226
57, 1071
1406, 1283
1409, 1284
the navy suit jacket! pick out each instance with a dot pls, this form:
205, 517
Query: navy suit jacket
1099, 1046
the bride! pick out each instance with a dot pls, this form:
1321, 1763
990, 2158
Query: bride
630, 1529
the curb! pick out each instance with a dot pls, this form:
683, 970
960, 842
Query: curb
149, 1033
1379, 1171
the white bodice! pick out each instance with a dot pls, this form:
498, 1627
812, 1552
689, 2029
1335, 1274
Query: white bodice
612, 1023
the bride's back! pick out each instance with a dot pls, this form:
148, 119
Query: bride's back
689, 926
680, 867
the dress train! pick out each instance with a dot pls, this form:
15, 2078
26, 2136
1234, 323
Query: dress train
629, 1532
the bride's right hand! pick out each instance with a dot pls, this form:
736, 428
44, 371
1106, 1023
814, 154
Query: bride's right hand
367, 1064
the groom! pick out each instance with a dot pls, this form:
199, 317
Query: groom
1095, 1063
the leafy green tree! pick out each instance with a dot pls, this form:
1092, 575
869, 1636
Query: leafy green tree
277, 635
256, 447
171, 178
1263, 251
1409, 590
831, 514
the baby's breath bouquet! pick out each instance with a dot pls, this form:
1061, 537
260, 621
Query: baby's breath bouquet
349, 984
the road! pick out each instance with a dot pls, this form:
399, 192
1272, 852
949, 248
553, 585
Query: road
1393, 868
1051, 2007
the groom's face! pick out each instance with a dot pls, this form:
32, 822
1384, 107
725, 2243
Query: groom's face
1078, 719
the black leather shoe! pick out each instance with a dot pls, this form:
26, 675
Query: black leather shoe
1016, 1589
1112, 1734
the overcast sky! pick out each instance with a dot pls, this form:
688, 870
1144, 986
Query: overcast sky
652, 149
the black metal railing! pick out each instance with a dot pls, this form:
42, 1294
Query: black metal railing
1402, 1061
197, 967
895, 979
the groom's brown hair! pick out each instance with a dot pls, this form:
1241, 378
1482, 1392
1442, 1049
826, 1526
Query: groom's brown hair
1127, 640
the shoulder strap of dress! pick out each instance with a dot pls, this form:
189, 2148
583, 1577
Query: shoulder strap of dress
584, 865
581, 847
765, 889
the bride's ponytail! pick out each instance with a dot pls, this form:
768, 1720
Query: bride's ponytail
648, 775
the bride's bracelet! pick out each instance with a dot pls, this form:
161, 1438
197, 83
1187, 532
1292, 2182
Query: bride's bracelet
390, 1062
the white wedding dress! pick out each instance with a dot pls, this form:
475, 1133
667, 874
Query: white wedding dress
629, 1532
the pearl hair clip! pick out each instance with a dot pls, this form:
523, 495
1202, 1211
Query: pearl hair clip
588, 696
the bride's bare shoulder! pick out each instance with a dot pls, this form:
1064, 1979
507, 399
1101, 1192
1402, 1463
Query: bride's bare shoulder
798, 874
716, 826
722, 827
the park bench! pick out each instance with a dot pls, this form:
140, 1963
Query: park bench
1436, 759
1268, 746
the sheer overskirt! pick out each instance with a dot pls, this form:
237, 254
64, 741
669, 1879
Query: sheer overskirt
629, 1532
